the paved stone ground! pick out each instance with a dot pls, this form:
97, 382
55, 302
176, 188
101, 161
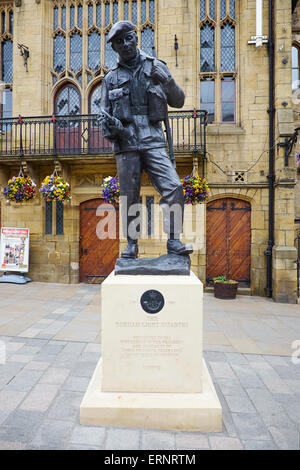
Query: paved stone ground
51, 336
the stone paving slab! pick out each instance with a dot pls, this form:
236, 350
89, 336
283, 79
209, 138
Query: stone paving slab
51, 354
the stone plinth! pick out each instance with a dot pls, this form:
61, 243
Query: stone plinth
151, 373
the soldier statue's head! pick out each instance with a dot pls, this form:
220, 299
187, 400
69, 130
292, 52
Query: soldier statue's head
123, 39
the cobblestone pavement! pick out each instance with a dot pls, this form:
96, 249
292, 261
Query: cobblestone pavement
50, 345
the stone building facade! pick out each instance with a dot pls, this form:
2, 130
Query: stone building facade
247, 229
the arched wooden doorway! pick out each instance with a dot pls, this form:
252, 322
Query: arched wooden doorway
228, 240
97, 256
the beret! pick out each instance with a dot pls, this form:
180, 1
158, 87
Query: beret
121, 27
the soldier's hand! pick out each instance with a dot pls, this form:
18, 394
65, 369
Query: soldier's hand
159, 75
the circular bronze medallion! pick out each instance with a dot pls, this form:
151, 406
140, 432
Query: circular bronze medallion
152, 301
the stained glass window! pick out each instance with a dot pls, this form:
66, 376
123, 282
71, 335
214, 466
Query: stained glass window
63, 17
94, 51
59, 53
147, 40
207, 58
7, 61
227, 47
150, 214
75, 52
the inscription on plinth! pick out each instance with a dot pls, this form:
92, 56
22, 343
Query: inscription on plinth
147, 352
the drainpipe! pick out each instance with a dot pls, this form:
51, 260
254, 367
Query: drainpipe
271, 176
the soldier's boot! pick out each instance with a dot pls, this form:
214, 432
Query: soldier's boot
175, 247
131, 251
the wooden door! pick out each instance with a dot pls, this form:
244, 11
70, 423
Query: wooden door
97, 256
228, 240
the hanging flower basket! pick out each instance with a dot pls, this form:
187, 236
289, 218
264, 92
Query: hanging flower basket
111, 189
55, 188
19, 189
195, 189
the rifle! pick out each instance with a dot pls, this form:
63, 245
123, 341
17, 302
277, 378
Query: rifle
167, 127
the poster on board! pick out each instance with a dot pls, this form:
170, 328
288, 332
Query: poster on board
14, 249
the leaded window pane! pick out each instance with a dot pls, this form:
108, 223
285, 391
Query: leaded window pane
126, 10
115, 12
59, 53
75, 52
207, 98
147, 40
72, 16
232, 8
223, 8
68, 101
107, 14
228, 100
63, 17
3, 22
55, 18
95, 100
79, 16
150, 214
7, 103
94, 51
202, 9
134, 12
227, 48
110, 55
152, 11
7, 61
90, 15
11, 22
98, 15
48, 217
143, 11
59, 218
212, 8
207, 53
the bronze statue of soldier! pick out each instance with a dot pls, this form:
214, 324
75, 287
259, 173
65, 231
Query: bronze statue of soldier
134, 98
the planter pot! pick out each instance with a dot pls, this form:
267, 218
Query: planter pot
225, 290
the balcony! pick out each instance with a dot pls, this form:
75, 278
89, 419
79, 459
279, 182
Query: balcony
46, 136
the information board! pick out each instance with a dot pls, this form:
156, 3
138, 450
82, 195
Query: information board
14, 249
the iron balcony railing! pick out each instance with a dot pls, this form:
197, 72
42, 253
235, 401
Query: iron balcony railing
82, 135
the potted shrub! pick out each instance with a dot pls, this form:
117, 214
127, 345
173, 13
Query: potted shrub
225, 288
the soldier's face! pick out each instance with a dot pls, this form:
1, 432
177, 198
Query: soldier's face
125, 45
